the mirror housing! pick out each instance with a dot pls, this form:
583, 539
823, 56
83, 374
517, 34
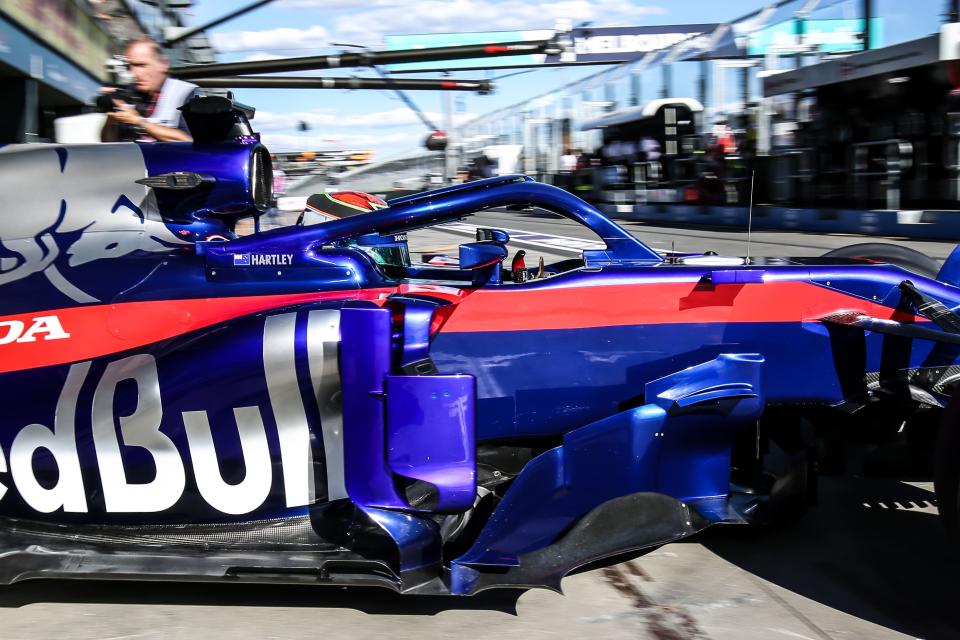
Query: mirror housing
494, 235
484, 259
477, 255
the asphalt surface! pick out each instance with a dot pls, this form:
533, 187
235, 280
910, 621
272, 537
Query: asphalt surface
869, 561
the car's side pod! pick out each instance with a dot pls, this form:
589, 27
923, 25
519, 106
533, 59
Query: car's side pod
642, 477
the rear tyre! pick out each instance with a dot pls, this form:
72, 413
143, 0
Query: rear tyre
946, 468
894, 254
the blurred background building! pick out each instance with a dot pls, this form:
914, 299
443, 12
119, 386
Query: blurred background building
54, 54
824, 104
820, 105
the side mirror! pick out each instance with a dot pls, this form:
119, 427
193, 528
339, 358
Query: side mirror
477, 255
496, 235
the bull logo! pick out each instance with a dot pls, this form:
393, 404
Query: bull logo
80, 202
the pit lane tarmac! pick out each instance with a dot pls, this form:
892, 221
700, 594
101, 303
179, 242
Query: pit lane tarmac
870, 561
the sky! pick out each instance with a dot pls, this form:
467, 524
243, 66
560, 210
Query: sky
379, 120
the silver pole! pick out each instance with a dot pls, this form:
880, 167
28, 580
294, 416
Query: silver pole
448, 155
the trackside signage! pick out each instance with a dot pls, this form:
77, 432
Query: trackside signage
619, 44
601, 45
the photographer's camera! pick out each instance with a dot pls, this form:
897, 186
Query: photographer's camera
105, 101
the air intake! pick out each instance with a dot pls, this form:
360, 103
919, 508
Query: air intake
261, 178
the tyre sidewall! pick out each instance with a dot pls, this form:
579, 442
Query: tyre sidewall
894, 254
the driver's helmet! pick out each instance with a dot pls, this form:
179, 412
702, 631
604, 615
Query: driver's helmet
324, 207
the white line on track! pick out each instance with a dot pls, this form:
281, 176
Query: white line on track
564, 244
291, 203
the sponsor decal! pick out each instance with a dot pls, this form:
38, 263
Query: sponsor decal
66, 222
41, 327
133, 426
97, 331
262, 259
271, 259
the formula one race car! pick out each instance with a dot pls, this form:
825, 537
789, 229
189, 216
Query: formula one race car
183, 403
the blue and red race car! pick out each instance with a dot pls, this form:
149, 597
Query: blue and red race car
307, 404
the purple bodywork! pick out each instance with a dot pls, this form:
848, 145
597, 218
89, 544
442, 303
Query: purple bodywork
282, 406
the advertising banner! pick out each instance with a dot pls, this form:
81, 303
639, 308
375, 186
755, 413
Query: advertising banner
602, 45
606, 45
826, 36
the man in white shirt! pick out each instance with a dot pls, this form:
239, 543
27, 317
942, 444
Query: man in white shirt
162, 120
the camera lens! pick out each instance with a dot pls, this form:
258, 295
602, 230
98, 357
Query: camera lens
104, 102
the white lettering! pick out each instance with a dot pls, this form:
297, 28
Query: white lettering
61, 443
50, 325
13, 328
280, 368
271, 260
54, 450
249, 493
628, 43
139, 429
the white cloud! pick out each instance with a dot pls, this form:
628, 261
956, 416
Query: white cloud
295, 142
322, 119
366, 24
261, 55
331, 5
315, 36
367, 27
452, 16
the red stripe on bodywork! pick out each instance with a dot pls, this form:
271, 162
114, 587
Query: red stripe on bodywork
100, 330
653, 303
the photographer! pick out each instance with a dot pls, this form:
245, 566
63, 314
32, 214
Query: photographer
156, 118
